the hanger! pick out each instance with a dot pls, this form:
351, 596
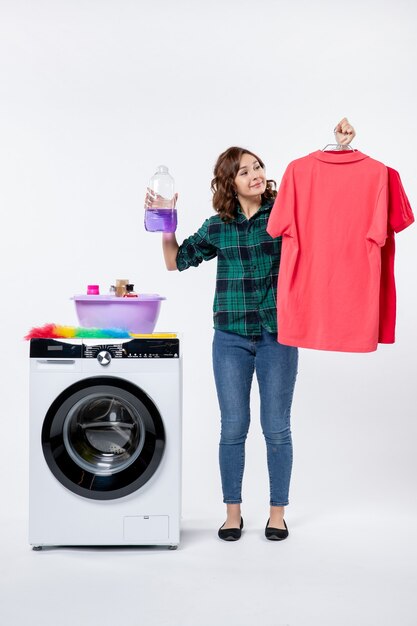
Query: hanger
337, 146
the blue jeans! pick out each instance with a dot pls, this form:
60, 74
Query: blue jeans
235, 358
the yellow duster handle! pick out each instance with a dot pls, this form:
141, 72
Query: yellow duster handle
154, 335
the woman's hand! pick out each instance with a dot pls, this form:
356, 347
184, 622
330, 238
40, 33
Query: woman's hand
344, 132
156, 201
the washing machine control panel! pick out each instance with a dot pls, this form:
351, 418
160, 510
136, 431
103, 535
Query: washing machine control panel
133, 349
105, 352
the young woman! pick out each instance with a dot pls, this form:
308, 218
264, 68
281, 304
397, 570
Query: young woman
245, 326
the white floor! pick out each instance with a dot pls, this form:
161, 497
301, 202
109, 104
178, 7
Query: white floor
335, 569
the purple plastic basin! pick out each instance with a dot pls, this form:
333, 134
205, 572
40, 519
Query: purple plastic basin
136, 315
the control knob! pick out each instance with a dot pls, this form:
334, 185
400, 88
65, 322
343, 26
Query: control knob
104, 357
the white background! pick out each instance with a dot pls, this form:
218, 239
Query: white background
94, 94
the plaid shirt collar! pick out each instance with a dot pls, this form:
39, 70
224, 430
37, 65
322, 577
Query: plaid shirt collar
241, 217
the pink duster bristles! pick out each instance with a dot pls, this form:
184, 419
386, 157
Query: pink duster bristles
41, 332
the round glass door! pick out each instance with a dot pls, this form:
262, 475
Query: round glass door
103, 438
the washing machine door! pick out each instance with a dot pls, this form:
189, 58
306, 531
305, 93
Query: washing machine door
103, 438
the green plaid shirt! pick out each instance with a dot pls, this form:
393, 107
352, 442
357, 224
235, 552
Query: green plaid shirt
247, 270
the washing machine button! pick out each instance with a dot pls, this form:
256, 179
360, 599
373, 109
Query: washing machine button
104, 357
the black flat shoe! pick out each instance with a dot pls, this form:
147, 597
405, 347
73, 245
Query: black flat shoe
231, 534
276, 534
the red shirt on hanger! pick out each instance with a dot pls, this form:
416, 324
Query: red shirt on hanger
331, 210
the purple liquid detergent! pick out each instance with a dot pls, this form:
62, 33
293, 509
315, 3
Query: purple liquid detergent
161, 220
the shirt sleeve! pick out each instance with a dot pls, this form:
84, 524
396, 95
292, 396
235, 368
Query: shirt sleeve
281, 220
378, 228
196, 249
400, 214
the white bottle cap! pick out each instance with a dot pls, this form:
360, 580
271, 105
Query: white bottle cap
162, 169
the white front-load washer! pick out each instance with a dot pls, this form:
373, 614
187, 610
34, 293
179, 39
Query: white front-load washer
105, 442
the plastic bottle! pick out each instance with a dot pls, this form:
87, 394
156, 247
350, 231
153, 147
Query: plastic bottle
161, 215
121, 286
130, 291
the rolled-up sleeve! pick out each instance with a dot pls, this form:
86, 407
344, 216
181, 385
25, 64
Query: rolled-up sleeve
196, 249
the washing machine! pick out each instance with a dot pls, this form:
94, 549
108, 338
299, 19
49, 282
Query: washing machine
105, 442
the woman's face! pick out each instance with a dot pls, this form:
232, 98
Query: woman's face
250, 180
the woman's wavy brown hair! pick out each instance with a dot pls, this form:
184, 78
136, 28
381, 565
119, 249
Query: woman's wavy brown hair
223, 183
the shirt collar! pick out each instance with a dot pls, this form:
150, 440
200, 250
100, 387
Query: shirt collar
241, 217
339, 156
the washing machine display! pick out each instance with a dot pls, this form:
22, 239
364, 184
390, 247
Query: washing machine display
103, 438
